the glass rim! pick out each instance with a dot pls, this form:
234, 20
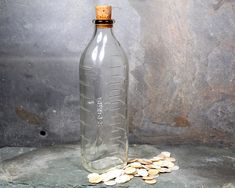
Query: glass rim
108, 22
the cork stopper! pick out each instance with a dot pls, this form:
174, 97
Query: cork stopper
103, 12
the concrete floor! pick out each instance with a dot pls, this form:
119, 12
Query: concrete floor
59, 166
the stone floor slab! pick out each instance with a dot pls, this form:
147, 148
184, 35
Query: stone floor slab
60, 166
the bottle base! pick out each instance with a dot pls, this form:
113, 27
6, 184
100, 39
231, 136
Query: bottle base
104, 164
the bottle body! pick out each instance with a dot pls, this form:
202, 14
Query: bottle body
103, 72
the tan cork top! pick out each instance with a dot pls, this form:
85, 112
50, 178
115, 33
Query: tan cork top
103, 12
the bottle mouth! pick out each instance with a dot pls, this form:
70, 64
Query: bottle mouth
103, 23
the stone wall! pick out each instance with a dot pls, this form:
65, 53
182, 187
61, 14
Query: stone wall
182, 69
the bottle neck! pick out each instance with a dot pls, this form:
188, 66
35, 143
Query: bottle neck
104, 26
105, 31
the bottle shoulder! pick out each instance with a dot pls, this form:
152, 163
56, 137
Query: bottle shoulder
100, 51
107, 44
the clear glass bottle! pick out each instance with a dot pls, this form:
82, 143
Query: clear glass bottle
103, 75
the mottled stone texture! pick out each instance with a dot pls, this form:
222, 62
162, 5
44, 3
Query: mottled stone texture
186, 82
60, 167
182, 69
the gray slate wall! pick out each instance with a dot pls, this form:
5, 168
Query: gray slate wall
182, 69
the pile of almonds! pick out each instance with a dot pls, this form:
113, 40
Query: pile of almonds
147, 169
